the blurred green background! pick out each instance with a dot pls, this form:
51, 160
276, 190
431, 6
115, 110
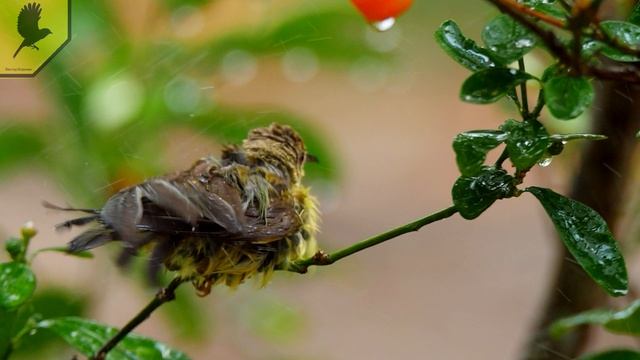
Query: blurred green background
148, 87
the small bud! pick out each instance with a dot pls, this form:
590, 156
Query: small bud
28, 230
15, 248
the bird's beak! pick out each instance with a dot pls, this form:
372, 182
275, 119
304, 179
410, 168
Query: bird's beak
311, 158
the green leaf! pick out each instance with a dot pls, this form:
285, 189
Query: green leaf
89, 336
65, 250
634, 16
471, 149
626, 34
472, 195
463, 50
563, 326
526, 141
617, 354
566, 96
17, 284
547, 7
587, 237
49, 303
507, 39
488, 86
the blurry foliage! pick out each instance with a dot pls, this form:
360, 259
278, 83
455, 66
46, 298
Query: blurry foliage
116, 98
51, 303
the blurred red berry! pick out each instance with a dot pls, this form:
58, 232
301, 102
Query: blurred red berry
378, 10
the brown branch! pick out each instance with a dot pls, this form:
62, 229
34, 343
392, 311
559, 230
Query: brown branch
523, 9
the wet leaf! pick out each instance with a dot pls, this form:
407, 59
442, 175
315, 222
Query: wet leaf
626, 321
488, 86
624, 33
551, 8
588, 238
526, 142
471, 149
463, 50
634, 15
617, 354
507, 39
49, 303
472, 195
17, 284
89, 336
567, 96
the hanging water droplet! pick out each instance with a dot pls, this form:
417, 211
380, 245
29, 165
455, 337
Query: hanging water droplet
384, 25
545, 162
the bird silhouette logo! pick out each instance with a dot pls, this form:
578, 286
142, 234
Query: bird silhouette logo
28, 26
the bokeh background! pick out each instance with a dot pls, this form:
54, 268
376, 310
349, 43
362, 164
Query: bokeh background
147, 87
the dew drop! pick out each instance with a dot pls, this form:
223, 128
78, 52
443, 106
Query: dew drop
545, 162
384, 25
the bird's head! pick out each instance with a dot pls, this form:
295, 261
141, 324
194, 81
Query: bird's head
279, 146
45, 32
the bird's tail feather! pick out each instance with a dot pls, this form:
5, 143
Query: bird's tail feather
90, 239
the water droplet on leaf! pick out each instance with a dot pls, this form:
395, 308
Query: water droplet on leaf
545, 162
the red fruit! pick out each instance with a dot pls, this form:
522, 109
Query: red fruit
378, 10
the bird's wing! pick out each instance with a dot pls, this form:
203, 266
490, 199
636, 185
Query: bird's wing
28, 20
193, 203
281, 221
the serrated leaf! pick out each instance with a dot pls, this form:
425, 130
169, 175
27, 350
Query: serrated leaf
588, 238
488, 86
507, 39
526, 142
17, 284
471, 149
89, 336
625, 33
472, 195
617, 354
566, 96
461, 49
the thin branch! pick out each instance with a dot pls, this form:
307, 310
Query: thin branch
321, 258
523, 92
164, 295
617, 72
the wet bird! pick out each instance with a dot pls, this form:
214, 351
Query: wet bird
28, 26
220, 221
